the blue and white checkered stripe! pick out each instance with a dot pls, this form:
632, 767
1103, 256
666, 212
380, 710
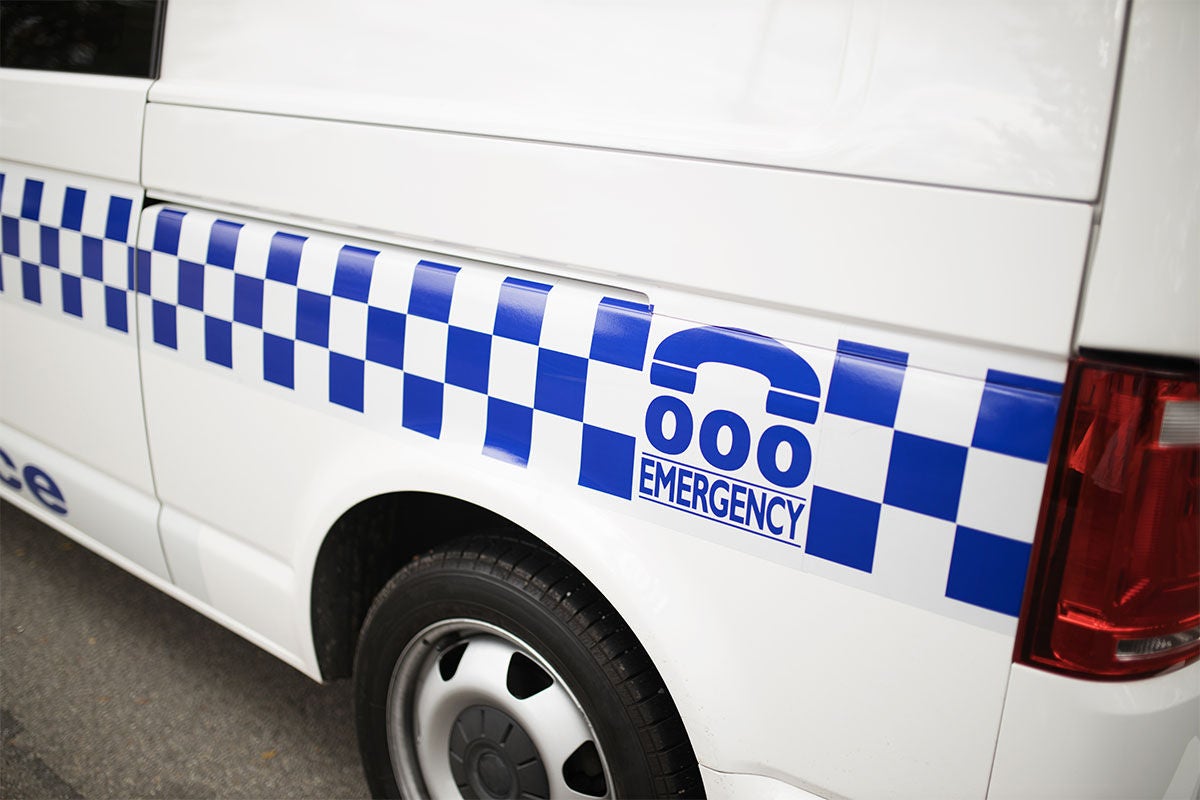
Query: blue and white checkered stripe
66, 246
499, 363
928, 486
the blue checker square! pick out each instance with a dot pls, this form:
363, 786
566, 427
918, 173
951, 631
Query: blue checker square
561, 383
468, 359
191, 285
346, 380
1017, 416
166, 231
116, 308
520, 310
283, 259
116, 226
843, 529
31, 202
988, 570
72, 212
248, 300
49, 237
218, 341
222, 243
93, 258
72, 295
279, 360
385, 337
621, 333
925, 476
312, 317
865, 384
432, 290
143, 272
162, 318
606, 461
31, 282
422, 405
130, 265
509, 431
352, 275
10, 231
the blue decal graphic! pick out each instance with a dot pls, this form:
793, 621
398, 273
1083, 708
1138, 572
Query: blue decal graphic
33, 478
710, 491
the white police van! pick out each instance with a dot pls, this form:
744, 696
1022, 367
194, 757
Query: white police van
765, 399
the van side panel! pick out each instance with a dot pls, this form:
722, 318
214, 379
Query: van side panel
1144, 281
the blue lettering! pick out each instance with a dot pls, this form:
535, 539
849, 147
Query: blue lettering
754, 510
794, 510
45, 489
700, 496
683, 486
739, 448
720, 505
738, 501
768, 454
10, 480
656, 414
664, 479
772, 504
647, 476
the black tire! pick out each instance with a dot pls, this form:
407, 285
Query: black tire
571, 654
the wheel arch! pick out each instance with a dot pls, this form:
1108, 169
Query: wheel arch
366, 546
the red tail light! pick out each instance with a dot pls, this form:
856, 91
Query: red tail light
1114, 587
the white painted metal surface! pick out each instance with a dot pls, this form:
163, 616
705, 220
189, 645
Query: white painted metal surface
1012, 96
965, 265
1071, 738
1143, 291
86, 124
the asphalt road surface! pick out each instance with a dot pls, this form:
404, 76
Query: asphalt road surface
109, 688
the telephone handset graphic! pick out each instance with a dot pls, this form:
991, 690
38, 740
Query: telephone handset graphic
794, 395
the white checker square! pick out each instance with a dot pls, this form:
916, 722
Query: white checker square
253, 251
279, 309
939, 406
556, 447
115, 264
218, 292
13, 194
248, 353
1001, 494
312, 373
53, 193
10, 274
70, 252
616, 397
318, 264
30, 234
189, 332
513, 372
476, 296
95, 213
383, 396
391, 281
912, 557
852, 457
193, 236
569, 320
164, 278
348, 327
91, 299
425, 348
51, 282
464, 417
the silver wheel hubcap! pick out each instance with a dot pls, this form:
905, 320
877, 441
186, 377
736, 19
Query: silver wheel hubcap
474, 712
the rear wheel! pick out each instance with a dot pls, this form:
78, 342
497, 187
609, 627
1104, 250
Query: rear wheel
491, 668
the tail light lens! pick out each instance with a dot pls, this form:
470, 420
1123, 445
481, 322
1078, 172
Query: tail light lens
1114, 586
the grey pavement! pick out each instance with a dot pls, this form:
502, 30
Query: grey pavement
111, 689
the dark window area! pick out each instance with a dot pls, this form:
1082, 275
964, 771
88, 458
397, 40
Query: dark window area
102, 37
